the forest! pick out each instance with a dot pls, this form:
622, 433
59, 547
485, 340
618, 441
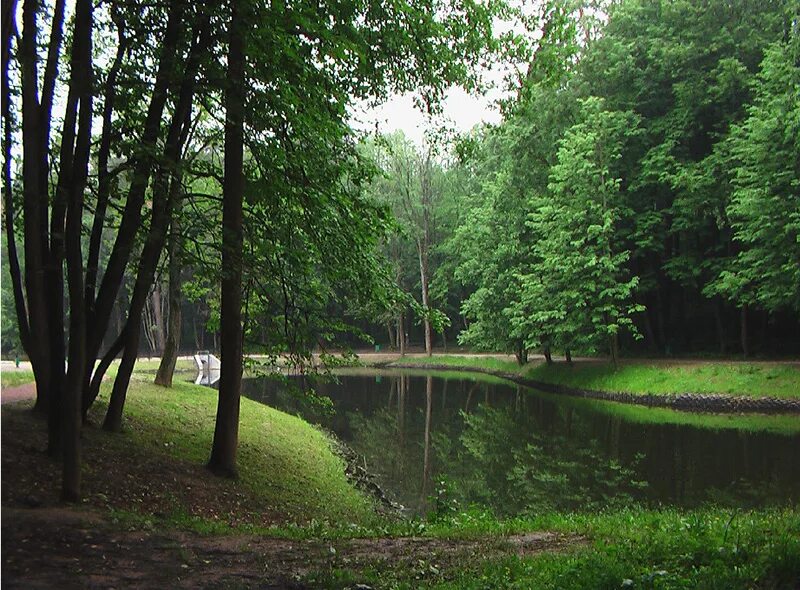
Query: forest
181, 175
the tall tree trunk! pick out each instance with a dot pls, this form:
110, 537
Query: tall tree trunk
158, 318
103, 174
390, 331
613, 345
423, 273
548, 355
401, 335
521, 353
81, 84
165, 191
568, 356
226, 431
35, 220
170, 355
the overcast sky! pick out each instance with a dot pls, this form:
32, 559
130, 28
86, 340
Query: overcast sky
461, 112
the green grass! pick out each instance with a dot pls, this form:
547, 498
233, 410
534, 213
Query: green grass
642, 377
749, 379
15, 377
632, 548
783, 424
285, 461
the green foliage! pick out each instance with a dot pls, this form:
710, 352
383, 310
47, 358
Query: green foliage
578, 289
764, 210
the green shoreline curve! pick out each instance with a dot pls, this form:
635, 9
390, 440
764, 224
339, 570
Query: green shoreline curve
785, 424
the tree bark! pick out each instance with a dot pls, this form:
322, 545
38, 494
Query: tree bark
401, 335
423, 273
159, 326
226, 431
166, 368
521, 354
81, 83
613, 345
35, 224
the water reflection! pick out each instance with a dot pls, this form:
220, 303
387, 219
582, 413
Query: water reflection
430, 439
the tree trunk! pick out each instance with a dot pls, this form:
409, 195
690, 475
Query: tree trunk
167, 367
81, 85
613, 345
521, 354
166, 188
8, 32
548, 355
423, 273
35, 219
401, 335
226, 431
390, 331
568, 356
159, 328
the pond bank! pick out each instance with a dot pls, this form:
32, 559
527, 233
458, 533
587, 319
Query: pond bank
641, 384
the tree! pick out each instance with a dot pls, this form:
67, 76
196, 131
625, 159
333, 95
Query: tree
226, 432
579, 254
764, 210
411, 185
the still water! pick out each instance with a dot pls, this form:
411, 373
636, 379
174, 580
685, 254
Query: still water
434, 442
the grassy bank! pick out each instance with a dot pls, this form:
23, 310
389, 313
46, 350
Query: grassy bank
643, 377
288, 471
287, 464
293, 486
626, 549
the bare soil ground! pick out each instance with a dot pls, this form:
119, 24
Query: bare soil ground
49, 545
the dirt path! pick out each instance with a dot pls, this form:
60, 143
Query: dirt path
59, 547
18, 393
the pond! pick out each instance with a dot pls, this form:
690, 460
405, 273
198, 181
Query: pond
438, 441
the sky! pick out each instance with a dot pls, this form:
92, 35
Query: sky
460, 111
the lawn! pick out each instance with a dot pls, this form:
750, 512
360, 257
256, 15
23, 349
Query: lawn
643, 377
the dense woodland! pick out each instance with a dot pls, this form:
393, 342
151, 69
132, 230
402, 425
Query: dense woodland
642, 191
185, 175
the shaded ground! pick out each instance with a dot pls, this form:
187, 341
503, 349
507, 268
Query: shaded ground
73, 548
18, 393
48, 545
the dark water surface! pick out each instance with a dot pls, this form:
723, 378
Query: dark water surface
437, 442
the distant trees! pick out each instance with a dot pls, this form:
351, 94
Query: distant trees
764, 209
642, 185
411, 183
